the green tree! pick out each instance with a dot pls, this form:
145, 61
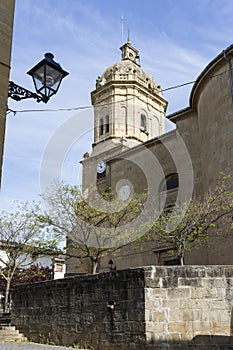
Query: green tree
22, 240
93, 225
191, 222
33, 273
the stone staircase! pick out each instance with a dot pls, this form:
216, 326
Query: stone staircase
8, 333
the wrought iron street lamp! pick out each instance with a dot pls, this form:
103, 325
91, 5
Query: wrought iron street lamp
47, 76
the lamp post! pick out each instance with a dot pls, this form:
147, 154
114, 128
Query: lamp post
111, 263
47, 76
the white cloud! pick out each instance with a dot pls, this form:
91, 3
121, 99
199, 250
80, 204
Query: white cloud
176, 39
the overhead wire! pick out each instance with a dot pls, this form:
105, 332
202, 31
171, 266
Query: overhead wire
48, 110
192, 82
63, 109
87, 107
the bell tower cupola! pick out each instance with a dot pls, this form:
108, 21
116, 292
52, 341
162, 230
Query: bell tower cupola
128, 104
129, 52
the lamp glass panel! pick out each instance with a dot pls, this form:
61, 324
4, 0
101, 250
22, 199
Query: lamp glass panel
53, 77
38, 77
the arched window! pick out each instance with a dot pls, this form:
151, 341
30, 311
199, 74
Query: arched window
101, 126
107, 124
143, 122
170, 182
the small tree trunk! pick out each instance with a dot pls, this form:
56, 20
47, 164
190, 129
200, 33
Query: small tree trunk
182, 260
94, 264
181, 256
7, 292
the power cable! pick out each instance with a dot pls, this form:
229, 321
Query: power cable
106, 104
48, 110
178, 86
192, 82
63, 109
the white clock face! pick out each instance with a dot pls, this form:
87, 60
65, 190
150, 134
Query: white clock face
101, 167
124, 192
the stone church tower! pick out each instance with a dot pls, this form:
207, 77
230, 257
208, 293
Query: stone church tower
129, 109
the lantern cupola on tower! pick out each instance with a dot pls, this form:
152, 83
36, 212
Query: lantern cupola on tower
129, 52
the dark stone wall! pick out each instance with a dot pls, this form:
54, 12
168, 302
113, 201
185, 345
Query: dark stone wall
105, 311
154, 307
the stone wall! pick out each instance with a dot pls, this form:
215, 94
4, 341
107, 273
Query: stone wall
104, 310
155, 307
184, 302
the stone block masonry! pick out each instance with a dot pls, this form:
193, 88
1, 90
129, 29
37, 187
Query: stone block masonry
182, 303
154, 307
104, 311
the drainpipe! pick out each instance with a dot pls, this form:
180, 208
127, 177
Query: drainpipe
230, 72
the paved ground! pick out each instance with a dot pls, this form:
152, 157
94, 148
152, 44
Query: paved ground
30, 346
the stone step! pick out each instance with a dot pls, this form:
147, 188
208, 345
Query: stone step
11, 338
8, 331
4, 320
10, 334
10, 328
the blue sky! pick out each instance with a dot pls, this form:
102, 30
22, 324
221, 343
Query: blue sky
176, 40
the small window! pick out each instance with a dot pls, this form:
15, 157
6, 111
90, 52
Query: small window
107, 124
170, 182
58, 267
101, 126
143, 121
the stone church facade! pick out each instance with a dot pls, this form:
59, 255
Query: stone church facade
132, 152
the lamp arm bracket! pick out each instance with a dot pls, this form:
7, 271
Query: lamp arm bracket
19, 93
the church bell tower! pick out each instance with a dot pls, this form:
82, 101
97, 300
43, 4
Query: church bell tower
129, 109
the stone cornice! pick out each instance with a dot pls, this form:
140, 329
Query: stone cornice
153, 94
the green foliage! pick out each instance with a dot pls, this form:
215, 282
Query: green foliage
191, 222
93, 224
22, 240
